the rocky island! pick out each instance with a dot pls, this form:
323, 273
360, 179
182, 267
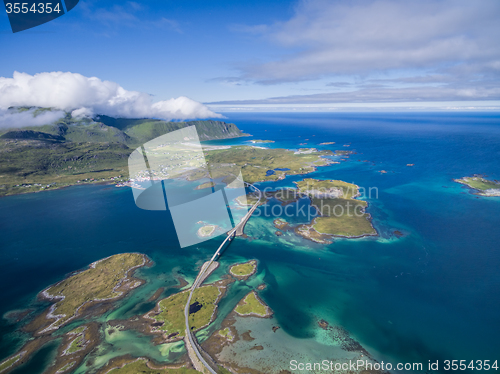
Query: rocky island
206, 231
252, 305
340, 213
244, 270
481, 185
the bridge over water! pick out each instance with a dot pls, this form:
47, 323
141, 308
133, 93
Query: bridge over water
200, 359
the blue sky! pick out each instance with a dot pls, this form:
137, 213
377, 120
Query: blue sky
273, 54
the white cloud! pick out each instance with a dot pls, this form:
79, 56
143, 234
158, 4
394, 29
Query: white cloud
328, 38
10, 119
85, 96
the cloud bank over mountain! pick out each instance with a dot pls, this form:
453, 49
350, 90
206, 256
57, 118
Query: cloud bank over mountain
90, 95
9, 119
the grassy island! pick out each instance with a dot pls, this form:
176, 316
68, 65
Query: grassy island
252, 305
206, 230
170, 318
78, 342
340, 213
484, 186
244, 270
103, 280
226, 333
9, 362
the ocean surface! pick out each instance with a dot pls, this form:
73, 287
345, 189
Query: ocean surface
433, 294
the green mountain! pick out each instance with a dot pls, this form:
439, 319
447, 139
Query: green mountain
119, 130
81, 150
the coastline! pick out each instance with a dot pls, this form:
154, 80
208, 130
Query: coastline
119, 293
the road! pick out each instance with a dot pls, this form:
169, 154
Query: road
237, 230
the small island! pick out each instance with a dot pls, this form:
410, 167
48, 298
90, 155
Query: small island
484, 187
252, 305
226, 333
244, 270
327, 143
206, 231
205, 185
261, 141
280, 223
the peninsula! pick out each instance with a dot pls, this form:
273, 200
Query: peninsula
88, 292
104, 280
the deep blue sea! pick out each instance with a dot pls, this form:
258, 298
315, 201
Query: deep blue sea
433, 294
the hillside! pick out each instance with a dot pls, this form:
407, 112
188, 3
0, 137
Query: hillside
71, 150
118, 130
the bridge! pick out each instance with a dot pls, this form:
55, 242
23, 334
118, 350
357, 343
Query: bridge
200, 359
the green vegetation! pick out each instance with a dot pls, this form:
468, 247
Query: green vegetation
223, 370
484, 186
9, 362
141, 366
81, 150
252, 305
226, 333
280, 223
171, 310
261, 141
205, 185
96, 283
285, 195
34, 165
245, 269
78, 330
340, 213
327, 188
78, 343
206, 230
66, 367
255, 162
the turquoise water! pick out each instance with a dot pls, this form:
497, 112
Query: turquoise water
432, 294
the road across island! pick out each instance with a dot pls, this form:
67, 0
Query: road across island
190, 340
